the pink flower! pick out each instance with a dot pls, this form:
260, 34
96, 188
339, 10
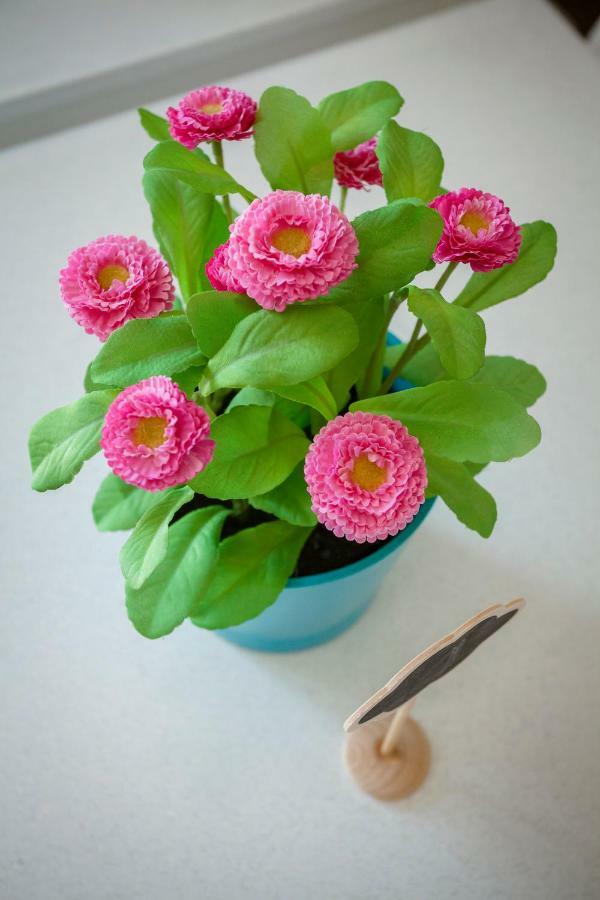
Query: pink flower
154, 437
477, 230
219, 274
112, 280
366, 476
359, 167
212, 114
290, 247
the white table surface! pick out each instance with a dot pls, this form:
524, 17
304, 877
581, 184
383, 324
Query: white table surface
187, 768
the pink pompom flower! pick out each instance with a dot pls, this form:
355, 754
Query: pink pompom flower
366, 476
212, 114
478, 230
290, 247
358, 167
219, 274
154, 437
114, 279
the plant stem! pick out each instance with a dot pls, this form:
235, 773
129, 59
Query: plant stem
445, 276
343, 198
372, 376
239, 508
218, 152
414, 343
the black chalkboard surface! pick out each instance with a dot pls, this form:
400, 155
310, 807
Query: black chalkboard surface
433, 663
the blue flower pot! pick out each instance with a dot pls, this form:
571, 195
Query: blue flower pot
316, 608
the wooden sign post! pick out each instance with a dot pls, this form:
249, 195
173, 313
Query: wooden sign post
386, 751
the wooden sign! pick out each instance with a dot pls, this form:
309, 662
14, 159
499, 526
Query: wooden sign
390, 759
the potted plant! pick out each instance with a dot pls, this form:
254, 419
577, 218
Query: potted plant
270, 444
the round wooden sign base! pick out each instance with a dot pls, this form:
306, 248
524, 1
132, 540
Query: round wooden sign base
396, 775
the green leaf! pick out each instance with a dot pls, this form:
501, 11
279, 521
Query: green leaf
89, 384
195, 170
313, 393
155, 126
396, 243
214, 314
368, 315
457, 334
250, 396
118, 506
189, 379
144, 347
411, 163
515, 376
254, 566
270, 349
461, 420
355, 115
256, 448
472, 504
184, 221
61, 441
536, 258
180, 582
147, 545
290, 500
292, 143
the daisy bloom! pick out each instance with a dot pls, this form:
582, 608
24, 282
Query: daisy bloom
359, 167
212, 114
112, 280
154, 437
219, 274
366, 476
289, 247
478, 230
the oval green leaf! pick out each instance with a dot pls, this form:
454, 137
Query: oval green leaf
355, 115
147, 545
214, 314
535, 260
290, 500
461, 420
118, 506
396, 243
254, 566
292, 143
181, 580
270, 349
144, 347
61, 441
469, 501
193, 169
188, 225
457, 334
411, 163
256, 448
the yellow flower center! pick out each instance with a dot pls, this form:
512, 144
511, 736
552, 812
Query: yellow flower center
211, 108
107, 275
366, 474
150, 432
474, 221
293, 241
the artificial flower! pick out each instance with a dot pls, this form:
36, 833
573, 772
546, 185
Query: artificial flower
212, 114
366, 476
114, 279
478, 230
290, 247
359, 167
219, 274
154, 437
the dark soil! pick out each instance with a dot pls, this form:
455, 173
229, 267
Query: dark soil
322, 552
